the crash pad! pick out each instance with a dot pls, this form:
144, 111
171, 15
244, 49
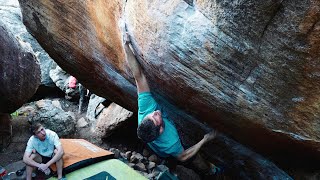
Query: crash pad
107, 169
79, 153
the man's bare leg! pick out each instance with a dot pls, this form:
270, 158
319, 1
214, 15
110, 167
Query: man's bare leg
36, 157
29, 172
59, 165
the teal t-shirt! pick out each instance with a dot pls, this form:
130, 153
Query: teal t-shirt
168, 143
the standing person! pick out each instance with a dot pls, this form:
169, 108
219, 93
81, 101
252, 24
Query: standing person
71, 90
157, 130
44, 144
71, 87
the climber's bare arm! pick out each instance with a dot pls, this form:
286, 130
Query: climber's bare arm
190, 152
139, 76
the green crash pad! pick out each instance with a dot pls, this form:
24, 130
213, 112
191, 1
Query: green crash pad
109, 169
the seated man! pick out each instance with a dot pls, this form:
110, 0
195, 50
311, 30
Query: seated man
44, 145
156, 129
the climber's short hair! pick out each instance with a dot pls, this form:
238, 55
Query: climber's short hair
147, 131
34, 127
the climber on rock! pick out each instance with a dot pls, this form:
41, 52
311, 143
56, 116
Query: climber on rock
157, 130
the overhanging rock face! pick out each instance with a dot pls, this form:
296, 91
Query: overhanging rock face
248, 68
19, 71
84, 39
254, 64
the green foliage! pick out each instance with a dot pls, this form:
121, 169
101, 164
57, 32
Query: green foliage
15, 114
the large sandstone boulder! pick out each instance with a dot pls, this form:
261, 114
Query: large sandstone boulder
249, 68
19, 70
52, 116
95, 107
87, 47
111, 118
11, 16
